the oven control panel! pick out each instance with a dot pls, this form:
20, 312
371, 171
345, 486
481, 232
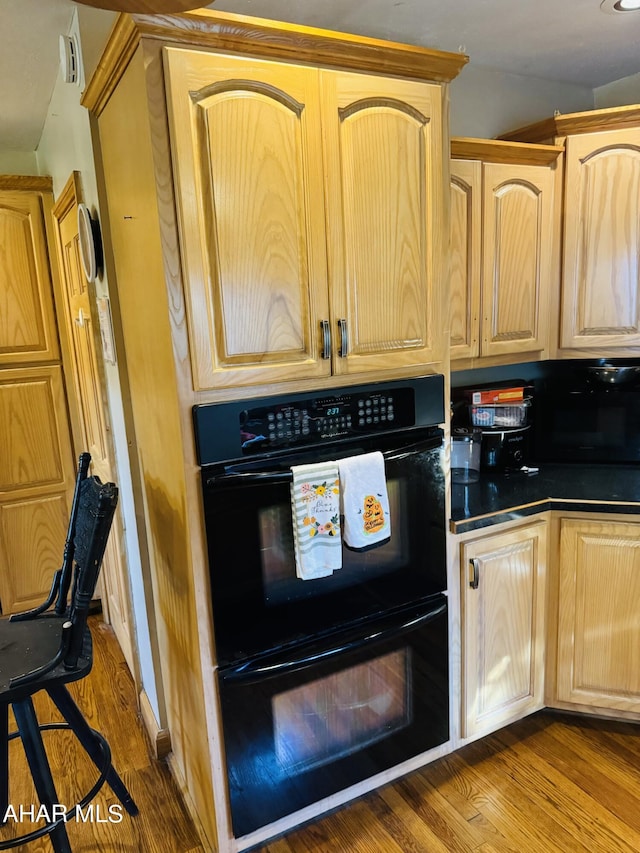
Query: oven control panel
237, 429
324, 418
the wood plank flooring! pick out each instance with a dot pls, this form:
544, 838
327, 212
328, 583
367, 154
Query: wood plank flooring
107, 698
552, 783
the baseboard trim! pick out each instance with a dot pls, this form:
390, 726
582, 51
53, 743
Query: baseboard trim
159, 739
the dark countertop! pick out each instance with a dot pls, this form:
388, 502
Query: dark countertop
580, 488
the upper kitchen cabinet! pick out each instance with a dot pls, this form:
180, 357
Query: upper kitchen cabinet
310, 203
502, 245
28, 331
601, 255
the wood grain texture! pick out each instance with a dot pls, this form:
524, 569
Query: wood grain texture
383, 213
31, 183
551, 783
591, 121
465, 258
498, 151
27, 318
107, 698
149, 313
598, 623
246, 139
383, 143
503, 627
517, 255
266, 39
601, 264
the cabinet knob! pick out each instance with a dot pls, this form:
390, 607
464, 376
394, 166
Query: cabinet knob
344, 339
326, 338
474, 573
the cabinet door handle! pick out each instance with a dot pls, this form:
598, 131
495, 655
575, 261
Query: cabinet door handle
474, 574
326, 338
344, 339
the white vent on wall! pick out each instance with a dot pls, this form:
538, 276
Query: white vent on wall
69, 59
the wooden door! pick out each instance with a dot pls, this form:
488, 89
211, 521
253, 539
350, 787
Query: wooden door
384, 177
517, 258
87, 402
599, 615
503, 578
27, 320
247, 158
36, 460
601, 264
465, 257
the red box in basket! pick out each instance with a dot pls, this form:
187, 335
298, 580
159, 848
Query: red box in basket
497, 395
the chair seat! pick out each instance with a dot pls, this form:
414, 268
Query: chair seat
27, 645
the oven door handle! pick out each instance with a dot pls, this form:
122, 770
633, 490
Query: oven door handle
232, 477
263, 668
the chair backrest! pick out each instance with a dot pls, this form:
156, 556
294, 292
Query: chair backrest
97, 503
62, 582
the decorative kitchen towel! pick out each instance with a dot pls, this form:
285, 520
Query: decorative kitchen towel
365, 503
315, 508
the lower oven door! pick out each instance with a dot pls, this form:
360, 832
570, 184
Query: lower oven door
302, 726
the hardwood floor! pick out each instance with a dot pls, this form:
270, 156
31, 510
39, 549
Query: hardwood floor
107, 698
552, 783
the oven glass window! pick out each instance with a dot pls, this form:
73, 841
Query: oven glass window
279, 581
332, 717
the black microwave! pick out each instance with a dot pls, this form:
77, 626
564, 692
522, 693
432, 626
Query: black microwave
587, 420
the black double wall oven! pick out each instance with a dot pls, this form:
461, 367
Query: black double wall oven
324, 683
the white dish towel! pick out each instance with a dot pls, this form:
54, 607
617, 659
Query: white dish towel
365, 502
315, 509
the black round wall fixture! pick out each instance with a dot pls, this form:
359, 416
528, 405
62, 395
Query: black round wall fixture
90, 243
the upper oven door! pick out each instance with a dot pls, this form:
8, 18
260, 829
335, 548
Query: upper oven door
258, 601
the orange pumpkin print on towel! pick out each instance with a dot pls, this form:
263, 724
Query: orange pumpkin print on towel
372, 515
313, 493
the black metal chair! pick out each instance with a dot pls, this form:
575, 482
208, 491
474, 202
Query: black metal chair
49, 647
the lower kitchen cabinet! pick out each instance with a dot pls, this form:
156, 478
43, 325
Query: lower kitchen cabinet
598, 655
503, 627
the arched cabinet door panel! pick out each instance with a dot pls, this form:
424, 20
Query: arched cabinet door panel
517, 258
601, 264
464, 257
246, 144
384, 188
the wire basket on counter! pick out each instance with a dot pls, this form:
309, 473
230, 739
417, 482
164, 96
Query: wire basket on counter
487, 415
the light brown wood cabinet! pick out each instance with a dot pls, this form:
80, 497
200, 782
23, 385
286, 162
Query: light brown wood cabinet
601, 264
36, 461
503, 579
600, 300
309, 204
247, 201
503, 232
598, 652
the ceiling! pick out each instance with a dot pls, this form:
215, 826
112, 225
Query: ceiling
570, 41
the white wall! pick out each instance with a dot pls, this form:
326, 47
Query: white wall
487, 103
619, 93
65, 147
18, 163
